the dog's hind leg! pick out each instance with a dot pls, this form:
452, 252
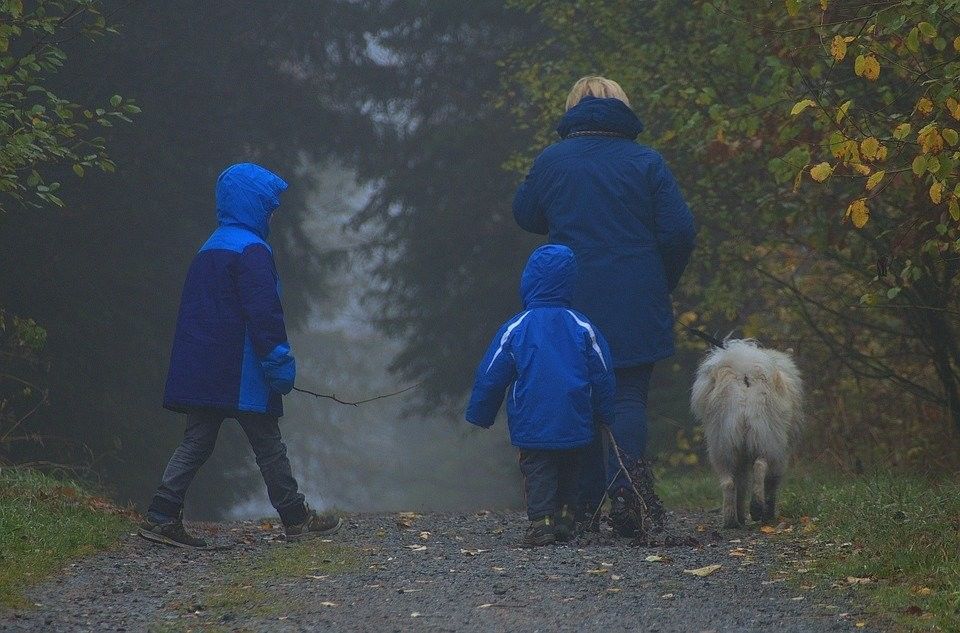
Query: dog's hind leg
759, 493
771, 485
729, 489
742, 481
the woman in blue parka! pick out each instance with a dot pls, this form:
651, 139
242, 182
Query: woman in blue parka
615, 203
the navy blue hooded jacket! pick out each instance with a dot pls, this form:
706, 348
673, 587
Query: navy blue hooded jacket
616, 204
230, 350
555, 362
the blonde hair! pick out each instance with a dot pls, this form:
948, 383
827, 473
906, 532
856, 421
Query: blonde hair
595, 86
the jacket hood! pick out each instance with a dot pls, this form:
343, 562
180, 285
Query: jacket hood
600, 114
246, 196
549, 277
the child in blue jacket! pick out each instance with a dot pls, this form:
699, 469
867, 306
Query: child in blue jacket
561, 381
231, 359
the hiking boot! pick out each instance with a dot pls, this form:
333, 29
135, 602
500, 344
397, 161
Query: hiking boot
171, 533
621, 518
540, 532
566, 525
314, 525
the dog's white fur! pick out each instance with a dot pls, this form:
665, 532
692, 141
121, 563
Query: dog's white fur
749, 400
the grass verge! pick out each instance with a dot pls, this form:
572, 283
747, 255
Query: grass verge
45, 523
893, 538
252, 588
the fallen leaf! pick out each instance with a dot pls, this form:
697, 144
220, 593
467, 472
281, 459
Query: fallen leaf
425, 536
473, 552
417, 548
613, 590
667, 596
615, 577
597, 571
860, 624
415, 614
854, 580
653, 558
766, 529
329, 604
405, 519
485, 606
924, 591
703, 571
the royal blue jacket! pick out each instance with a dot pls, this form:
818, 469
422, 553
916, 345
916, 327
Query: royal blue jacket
616, 204
555, 362
230, 349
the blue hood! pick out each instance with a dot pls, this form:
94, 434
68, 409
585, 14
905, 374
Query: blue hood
246, 196
604, 115
549, 277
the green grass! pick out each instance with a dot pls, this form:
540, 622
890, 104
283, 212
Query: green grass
252, 587
900, 531
44, 524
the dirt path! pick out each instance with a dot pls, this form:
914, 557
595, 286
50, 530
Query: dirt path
443, 573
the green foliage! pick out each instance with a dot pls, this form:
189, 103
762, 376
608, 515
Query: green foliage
899, 532
855, 267
40, 130
44, 524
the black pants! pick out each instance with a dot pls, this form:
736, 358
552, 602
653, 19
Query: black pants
199, 438
550, 480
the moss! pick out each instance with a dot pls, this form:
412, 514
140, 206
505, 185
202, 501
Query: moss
45, 523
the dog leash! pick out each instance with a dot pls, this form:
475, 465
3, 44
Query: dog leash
712, 340
356, 403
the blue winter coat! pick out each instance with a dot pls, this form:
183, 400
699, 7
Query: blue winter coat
616, 204
556, 363
230, 349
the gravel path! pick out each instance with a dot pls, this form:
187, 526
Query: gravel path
442, 573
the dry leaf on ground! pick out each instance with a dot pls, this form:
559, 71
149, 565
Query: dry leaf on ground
703, 571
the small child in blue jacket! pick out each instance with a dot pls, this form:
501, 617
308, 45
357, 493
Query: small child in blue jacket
561, 381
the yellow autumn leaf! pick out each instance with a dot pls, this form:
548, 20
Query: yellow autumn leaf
869, 147
821, 172
860, 168
858, 212
687, 318
956, 43
842, 110
800, 106
875, 180
936, 192
955, 209
867, 66
901, 131
931, 142
838, 48
824, 3
951, 136
703, 571
924, 106
953, 107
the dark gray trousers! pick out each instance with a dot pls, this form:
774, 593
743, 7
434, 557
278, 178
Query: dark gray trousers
199, 438
551, 480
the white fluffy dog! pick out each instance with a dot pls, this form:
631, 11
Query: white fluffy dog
749, 401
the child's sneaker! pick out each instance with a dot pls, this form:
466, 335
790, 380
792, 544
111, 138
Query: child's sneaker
566, 525
540, 532
170, 533
314, 525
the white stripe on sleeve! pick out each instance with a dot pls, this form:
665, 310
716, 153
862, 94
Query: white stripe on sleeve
593, 336
506, 335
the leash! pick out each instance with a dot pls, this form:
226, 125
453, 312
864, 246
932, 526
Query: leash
356, 403
701, 334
